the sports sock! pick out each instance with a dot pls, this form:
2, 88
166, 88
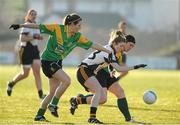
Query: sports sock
11, 84
83, 99
54, 100
93, 112
123, 107
40, 93
89, 95
41, 112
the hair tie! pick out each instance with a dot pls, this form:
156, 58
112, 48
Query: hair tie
68, 16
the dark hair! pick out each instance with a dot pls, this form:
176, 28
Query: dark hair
130, 38
72, 18
116, 37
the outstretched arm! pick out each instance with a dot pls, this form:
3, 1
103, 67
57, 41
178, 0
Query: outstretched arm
17, 26
33, 26
125, 68
100, 47
121, 68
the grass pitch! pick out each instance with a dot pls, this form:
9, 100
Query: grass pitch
22, 106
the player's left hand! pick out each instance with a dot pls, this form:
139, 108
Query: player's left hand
14, 26
140, 66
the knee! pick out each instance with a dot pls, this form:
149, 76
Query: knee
98, 89
67, 81
103, 96
25, 74
103, 99
50, 94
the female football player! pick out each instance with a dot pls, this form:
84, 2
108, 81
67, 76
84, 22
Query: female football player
29, 55
63, 39
122, 27
92, 77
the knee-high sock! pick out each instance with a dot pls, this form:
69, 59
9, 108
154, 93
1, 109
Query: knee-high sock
82, 99
123, 107
93, 112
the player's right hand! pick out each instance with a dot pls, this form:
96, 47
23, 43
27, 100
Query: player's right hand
37, 36
14, 26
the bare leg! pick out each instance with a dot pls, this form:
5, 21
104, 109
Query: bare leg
95, 88
36, 72
65, 82
117, 90
53, 85
22, 75
37, 76
102, 100
17, 78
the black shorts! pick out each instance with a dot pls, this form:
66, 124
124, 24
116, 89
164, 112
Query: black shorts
28, 53
83, 74
50, 67
105, 79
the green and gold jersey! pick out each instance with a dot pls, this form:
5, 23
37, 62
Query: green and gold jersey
120, 59
59, 45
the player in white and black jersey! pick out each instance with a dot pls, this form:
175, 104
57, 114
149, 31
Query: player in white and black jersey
98, 59
88, 70
111, 83
29, 55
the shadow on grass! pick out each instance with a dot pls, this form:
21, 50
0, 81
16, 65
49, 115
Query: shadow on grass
145, 109
103, 123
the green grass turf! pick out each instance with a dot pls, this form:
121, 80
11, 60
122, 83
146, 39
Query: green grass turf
22, 106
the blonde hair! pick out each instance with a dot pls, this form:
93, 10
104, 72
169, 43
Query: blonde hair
116, 37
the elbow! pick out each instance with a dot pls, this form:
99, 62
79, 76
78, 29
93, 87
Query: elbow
119, 70
124, 70
93, 46
125, 73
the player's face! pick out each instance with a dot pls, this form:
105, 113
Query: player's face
33, 15
123, 27
77, 27
119, 47
128, 46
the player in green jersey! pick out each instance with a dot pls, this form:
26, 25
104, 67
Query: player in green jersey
62, 40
